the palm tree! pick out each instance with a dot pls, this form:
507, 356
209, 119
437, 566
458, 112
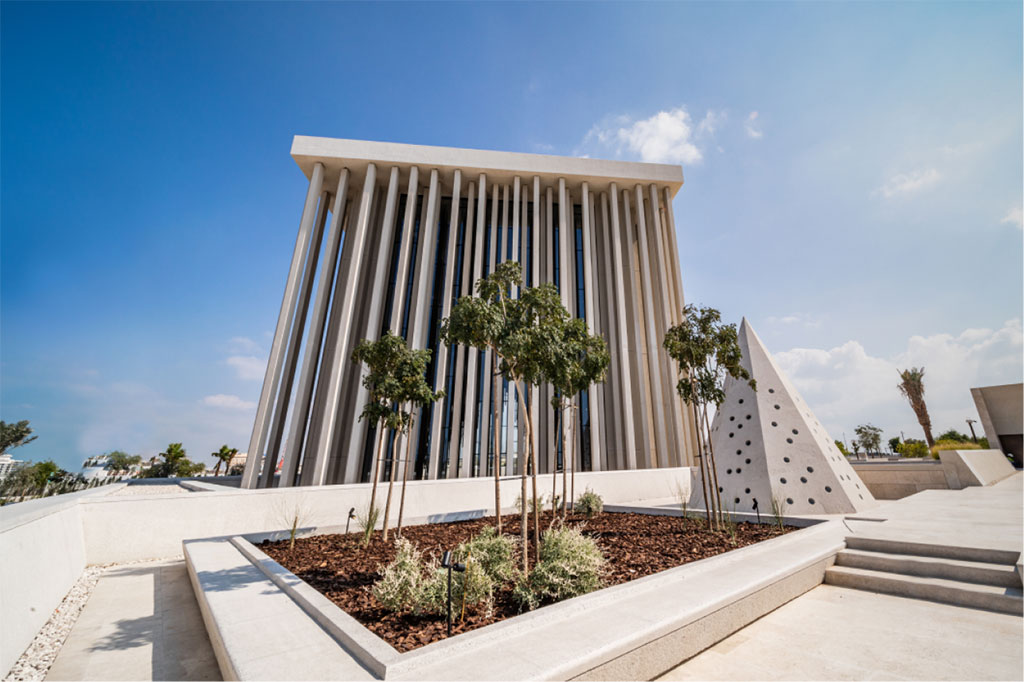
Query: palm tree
224, 456
912, 388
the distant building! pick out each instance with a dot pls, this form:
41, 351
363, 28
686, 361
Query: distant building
7, 463
1001, 409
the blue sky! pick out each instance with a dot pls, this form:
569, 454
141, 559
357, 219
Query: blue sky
853, 183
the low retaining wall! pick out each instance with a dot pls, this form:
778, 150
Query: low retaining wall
896, 480
966, 468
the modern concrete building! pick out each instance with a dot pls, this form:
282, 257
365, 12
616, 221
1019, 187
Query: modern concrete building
392, 234
1001, 409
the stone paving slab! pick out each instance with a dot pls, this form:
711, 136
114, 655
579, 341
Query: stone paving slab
833, 633
141, 622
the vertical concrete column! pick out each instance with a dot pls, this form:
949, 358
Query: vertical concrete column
642, 388
535, 407
488, 418
322, 300
619, 270
690, 441
443, 351
291, 358
405, 251
669, 367
567, 279
462, 395
594, 322
284, 320
612, 387
469, 428
657, 391
353, 450
549, 277
515, 432
339, 353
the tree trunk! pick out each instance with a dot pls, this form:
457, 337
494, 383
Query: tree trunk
376, 466
405, 474
701, 456
714, 469
554, 468
566, 433
391, 486
496, 392
530, 460
577, 420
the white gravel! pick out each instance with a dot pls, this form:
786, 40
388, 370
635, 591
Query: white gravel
42, 652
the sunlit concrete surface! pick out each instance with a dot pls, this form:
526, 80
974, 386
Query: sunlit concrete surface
142, 622
833, 633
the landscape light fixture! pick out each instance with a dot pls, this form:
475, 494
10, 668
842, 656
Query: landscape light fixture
758, 511
351, 515
446, 562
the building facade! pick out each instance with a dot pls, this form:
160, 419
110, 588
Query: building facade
391, 235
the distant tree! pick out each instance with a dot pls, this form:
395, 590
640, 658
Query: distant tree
842, 447
856, 448
870, 438
119, 462
912, 387
223, 457
43, 472
913, 447
894, 444
15, 435
954, 435
175, 464
707, 351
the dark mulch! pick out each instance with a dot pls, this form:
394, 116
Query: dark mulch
635, 545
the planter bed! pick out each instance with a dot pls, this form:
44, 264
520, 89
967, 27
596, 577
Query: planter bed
635, 545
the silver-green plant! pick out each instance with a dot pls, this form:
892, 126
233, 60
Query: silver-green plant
495, 554
471, 589
401, 583
589, 504
367, 520
569, 564
779, 512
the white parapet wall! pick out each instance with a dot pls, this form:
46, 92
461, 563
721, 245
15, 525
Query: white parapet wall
965, 468
45, 544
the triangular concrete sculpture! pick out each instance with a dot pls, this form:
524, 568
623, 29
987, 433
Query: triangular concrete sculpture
770, 446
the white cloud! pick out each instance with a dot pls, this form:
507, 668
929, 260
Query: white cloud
230, 402
846, 386
1014, 217
243, 344
248, 366
909, 183
666, 137
752, 127
802, 319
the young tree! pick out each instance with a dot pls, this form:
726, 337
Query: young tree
870, 438
15, 435
912, 387
396, 378
576, 361
522, 332
223, 457
707, 351
119, 462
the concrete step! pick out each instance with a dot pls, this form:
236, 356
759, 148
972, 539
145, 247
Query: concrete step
1001, 599
892, 546
997, 575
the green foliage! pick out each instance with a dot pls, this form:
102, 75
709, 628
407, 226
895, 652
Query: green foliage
707, 351
912, 387
14, 435
470, 588
912, 447
175, 464
400, 586
589, 504
779, 512
43, 472
953, 435
842, 447
569, 564
894, 444
946, 444
119, 461
395, 377
223, 457
869, 437
495, 553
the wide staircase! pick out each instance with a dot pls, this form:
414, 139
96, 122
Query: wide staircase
965, 576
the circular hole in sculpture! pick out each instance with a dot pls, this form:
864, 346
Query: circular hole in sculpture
782, 481
747, 491
811, 500
777, 407
771, 390
748, 442
736, 501
789, 500
795, 432
810, 470
732, 419
748, 461
789, 440
775, 423
728, 471
828, 489
803, 480
785, 459
739, 452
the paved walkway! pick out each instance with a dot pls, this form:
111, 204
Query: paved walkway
141, 622
832, 633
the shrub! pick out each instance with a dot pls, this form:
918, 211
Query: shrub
589, 503
470, 588
569, 564
495, 554
913, 448
367, 520
400, 586
953, 445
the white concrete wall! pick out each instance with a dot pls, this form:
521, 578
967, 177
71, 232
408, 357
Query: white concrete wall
966, 468
129, 528
42, 554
